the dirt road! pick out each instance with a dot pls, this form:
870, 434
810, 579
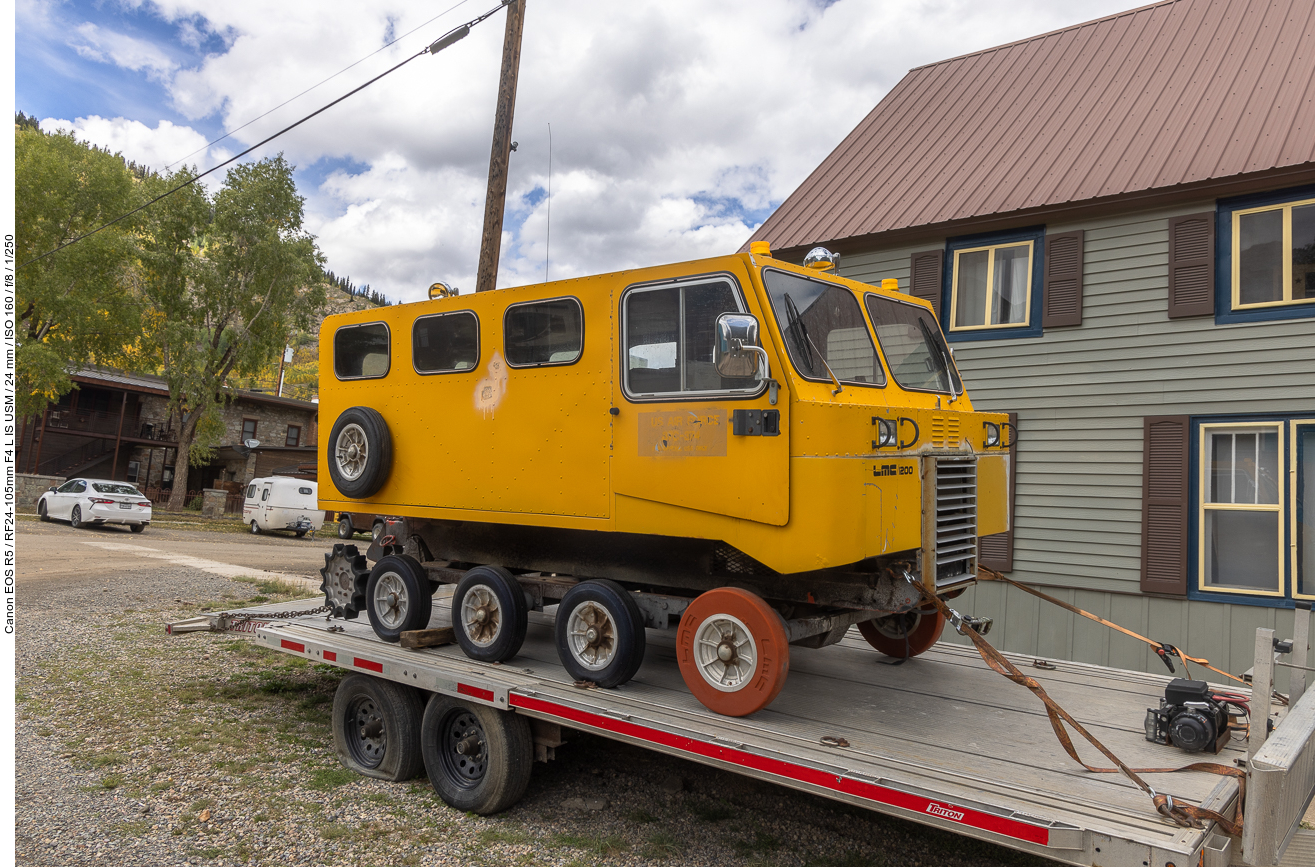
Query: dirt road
56, 555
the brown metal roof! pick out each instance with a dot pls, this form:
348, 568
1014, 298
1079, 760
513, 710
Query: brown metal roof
1166, 96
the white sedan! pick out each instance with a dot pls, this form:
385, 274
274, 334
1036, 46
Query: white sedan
96, 501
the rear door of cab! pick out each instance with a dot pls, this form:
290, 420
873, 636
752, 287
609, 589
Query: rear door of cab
673, 440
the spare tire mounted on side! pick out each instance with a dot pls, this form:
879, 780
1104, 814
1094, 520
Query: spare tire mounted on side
360, 452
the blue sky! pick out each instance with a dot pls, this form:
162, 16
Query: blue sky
677, 126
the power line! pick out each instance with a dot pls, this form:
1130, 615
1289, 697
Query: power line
452, 36
313, 86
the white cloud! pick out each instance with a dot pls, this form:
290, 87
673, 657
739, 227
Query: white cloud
122, 50
155, 148
676, 124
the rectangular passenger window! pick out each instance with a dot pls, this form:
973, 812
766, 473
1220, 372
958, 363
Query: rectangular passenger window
670, 338
824, 328
361, 351
543, 332
445, 343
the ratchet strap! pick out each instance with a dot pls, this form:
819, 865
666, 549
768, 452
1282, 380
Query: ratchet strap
1164, 650
1183, 815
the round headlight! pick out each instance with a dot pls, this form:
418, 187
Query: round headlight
992, 434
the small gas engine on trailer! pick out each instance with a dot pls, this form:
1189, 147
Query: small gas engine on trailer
754, 453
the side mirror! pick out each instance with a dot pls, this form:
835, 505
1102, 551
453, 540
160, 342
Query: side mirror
737, 350
52, 488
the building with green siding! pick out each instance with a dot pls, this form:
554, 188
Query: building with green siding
1116, 225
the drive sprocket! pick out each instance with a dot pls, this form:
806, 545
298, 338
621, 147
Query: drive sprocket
345, 575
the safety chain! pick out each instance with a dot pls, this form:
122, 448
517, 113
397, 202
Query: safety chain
235, 622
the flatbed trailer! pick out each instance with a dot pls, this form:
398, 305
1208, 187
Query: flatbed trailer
939, 739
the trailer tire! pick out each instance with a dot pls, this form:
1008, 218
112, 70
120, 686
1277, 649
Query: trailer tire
376, 727
600, 633
478, 758
360, 452
489, 614
397, 597
901, 636
255, 528
740, 624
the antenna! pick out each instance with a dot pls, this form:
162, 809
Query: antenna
547, 245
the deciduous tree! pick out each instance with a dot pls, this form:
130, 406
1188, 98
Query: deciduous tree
227, 277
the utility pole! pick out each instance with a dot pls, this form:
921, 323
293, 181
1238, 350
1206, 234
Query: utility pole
495, 203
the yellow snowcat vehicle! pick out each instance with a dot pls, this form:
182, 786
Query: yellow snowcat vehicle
756, 453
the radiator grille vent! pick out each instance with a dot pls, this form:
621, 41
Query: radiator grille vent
956, 520
945, 431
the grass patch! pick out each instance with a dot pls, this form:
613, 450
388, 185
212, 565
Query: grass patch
715, 811
111, 781
105, 760
760, 843
643, 817
323, 779
660, 845
851, 859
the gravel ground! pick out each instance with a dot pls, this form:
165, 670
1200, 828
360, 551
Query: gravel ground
143, 749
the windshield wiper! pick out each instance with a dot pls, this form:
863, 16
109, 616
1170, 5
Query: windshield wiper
807, 348
945, 360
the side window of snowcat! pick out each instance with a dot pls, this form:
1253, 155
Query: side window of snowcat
670, 333
446, 343
361, 351
540, 333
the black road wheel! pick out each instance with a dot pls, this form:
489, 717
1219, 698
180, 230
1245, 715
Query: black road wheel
136, 528
75, 517
346, 574
301, 534
41, 511
489, 614
345, 528
600, 633
478, 758
255, 529
376, 727
397, 596
360, 452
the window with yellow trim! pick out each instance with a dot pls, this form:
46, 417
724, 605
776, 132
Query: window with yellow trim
1274, 255
992, 287
1241, 508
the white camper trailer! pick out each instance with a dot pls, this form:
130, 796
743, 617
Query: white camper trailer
280, 503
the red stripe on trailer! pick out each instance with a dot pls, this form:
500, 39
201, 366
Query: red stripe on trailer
368, 665
858, 788
292, 645
475, 692
330, 656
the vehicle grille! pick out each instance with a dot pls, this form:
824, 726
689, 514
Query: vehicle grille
956, 520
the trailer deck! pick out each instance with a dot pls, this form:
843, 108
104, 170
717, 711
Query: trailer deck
940, 739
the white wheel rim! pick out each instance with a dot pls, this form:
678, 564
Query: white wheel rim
481, 616
715, 636
591, 636
892, 626
351, 452
390, 600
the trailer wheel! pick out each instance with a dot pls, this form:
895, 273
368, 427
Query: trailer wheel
478, 758
489, 614
360, 452
397, 596
600, 633
376, 727
255, 529
345, 528
904, 635
733, 651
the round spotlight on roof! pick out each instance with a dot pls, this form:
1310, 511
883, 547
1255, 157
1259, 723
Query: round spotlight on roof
821, 259
441, 290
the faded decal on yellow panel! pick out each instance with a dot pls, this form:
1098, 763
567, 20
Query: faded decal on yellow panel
490, 390
697, 433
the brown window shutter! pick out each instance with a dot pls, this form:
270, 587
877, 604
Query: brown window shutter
997, 550
1165, 502
1063, 280
1192, 265
925, 277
